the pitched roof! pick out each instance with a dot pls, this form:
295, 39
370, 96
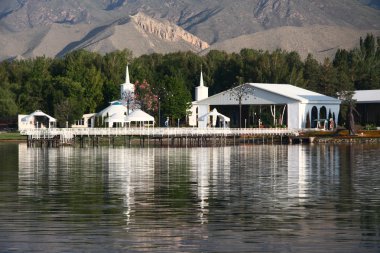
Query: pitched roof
139, 116
367, 96
38, 113
295, 92
266, 93
114, 108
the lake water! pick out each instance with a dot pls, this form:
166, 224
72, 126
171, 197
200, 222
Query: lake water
261, 198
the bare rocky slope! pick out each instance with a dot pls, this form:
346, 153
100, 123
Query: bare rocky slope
320, 41
29, 27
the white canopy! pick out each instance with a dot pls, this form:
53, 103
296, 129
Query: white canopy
214, 114
139, 116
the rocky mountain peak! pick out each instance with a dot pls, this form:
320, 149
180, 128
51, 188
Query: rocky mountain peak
166, 30
32, 13
269, 12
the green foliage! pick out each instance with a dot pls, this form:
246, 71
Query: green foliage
8, 106
176, 102
370, 127
84, 82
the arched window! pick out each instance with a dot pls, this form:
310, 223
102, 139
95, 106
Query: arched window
323, 113
314, 117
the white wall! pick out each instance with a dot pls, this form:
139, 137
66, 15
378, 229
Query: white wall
22, 125
202, 110
201, 92
294, 115
193, 115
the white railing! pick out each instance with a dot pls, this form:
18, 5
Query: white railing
69, 133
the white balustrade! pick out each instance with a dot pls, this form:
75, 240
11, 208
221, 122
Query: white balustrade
67, 134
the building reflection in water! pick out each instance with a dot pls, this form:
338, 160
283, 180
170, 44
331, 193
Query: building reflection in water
212, 172
139, 175
311, 169
173, 197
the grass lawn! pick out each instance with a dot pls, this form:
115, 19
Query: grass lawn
344, 134
6, 136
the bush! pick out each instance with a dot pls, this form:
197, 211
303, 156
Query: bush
370, 127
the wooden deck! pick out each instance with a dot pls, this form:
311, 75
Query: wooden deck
59, 136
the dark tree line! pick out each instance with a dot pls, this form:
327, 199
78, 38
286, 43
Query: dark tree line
83, 82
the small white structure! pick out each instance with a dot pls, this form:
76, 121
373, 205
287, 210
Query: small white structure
140, 117
302, 105
213, 116
37, 119
87, 120
113, 115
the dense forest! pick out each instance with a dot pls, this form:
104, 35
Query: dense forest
83, 82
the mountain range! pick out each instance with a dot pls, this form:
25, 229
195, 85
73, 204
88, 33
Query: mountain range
30, 28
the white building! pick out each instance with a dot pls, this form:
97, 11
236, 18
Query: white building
87, 120
37, 119
302, 106
118, 113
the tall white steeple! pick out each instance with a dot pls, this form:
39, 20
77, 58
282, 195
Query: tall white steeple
201, 83
127, 87
201, 92
127, 80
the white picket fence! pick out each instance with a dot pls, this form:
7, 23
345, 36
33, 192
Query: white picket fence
67, 134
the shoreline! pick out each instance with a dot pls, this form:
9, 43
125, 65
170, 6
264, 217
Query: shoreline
316, 137
316, 140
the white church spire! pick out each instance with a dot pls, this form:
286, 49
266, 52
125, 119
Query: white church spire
201, 92
127, 80
127, 88
201, 83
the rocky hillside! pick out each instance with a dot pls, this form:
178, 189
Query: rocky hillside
320, 41
30, 27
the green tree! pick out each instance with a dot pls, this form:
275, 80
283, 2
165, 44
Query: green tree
366, 63
328, 79
349, 103
113, 72
178, 99
33, 85
8, 106
85, 68
67, 100
312, 73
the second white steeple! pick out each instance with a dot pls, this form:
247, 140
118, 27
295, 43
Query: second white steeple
201, 92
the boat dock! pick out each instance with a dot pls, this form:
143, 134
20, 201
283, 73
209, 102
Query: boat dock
184, 137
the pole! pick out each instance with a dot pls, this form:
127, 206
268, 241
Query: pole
159, 112
239, 112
